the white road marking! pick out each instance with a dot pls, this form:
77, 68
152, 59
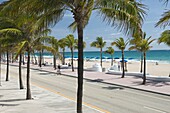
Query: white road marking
147, 95
157, 110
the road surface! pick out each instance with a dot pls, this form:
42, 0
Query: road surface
104, 97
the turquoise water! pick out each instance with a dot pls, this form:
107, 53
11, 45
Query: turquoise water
153, 55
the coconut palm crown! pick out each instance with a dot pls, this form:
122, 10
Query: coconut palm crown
165, 38
110, 51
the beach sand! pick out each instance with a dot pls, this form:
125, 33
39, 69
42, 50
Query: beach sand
161, 69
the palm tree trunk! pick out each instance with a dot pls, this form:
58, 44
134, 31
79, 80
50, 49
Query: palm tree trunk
141, 67
80, 68
123, 68
0, 66
42, 51
23, 59
12, 61
35, 59
54, 58
144, 70
20, 74
101, 57
63, 57
28, 95
7, 68
72, 54
40, 59
112, 59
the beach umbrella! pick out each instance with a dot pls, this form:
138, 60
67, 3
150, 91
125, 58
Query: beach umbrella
92, 57
87, 57
109, 58
130, 58
124, 60
116, 58
67, 57
97, 57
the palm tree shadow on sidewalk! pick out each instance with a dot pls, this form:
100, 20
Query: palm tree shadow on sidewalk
95, 80
9, 105
152, 83
12, 100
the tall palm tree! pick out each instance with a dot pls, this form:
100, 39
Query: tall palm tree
145, 46
99, 43
110, 51
71, 43
62, 45
165, 38
121, 44
8, 40
128, 14
137, 38
135, 42
54, 49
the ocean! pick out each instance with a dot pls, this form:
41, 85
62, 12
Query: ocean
152, 55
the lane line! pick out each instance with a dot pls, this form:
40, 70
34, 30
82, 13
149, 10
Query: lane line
72, 99
147, 95
154, 109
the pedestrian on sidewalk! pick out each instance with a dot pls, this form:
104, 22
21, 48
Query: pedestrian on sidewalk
59, 70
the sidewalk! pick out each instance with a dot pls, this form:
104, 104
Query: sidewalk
12, 100
129, 81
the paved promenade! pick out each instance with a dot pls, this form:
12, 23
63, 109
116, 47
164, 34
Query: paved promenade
160, 87
12, 100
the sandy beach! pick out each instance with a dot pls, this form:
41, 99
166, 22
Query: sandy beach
162, 69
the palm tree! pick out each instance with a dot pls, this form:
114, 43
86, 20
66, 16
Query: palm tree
62, 45
137, 38
8, 40
165, 38
110, 51
71, 43
145, 46
54, 49
99, 43
121, 44
128, 14
135, 42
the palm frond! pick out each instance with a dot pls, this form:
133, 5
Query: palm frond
21, 46
10, 31
165, 20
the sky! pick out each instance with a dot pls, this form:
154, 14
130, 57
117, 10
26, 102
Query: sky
97, 28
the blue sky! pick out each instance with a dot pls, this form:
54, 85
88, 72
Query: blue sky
97, 27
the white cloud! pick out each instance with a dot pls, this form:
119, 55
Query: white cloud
68, 15
151, 21
113, 34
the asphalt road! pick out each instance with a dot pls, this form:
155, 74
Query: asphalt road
104, 97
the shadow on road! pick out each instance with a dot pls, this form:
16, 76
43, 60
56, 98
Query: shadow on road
113, 88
